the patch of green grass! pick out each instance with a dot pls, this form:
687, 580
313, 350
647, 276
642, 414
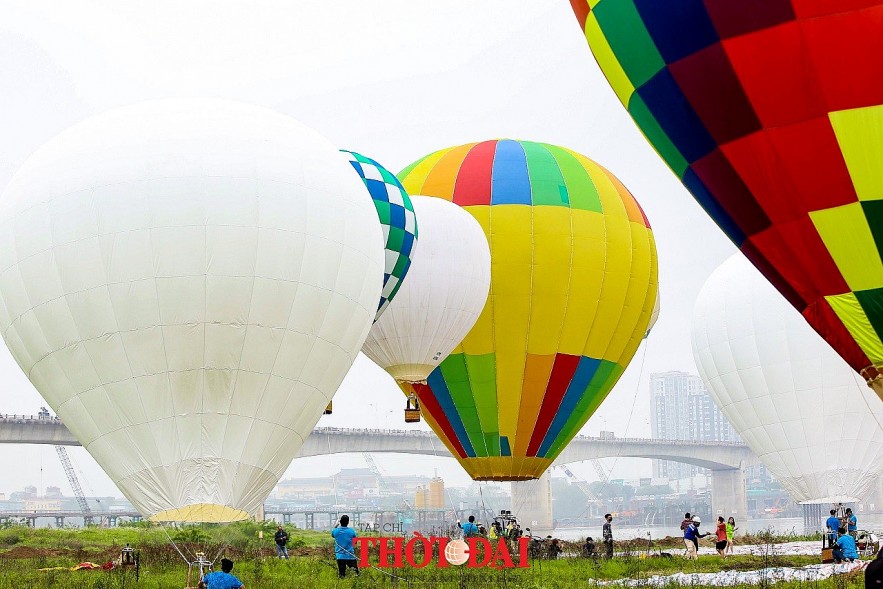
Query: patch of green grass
240, 535
163, 568
316, 573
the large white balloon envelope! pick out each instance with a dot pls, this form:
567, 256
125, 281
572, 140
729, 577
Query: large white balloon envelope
794, 401
186, 282
442, 297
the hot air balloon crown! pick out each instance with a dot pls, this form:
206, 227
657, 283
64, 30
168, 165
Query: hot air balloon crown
507, 171
573, 286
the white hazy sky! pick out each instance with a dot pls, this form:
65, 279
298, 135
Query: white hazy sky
393, 79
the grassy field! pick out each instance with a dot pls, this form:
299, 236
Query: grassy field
23, 551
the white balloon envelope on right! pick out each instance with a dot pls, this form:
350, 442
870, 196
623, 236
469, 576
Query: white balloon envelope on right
794, 401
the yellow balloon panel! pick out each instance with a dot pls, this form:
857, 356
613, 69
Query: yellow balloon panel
573, 286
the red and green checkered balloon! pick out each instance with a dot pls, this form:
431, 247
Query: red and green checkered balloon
771, 114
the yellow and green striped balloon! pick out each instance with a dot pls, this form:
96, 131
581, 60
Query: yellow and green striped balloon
573, 287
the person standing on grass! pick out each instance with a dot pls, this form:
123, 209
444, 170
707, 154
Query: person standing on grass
686, 522
697, 522
344, 552
689, 540
470, 530
281, 539
721, 537
851, 523
607, 533
223, 579
731, 531
832, 523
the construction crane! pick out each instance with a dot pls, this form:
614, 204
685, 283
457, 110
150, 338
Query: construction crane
599, 470
372, 466
580, 484
75, 484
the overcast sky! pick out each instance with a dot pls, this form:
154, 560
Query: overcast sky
393, 79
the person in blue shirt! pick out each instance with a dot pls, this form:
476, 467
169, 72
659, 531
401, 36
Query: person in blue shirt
851, 523
222, 579
469, 528
344, 552
845, 547
832, 523
691, 538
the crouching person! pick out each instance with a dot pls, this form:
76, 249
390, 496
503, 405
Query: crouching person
845, 547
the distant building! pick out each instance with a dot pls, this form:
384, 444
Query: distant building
436, 493
42, 504
350, 479
406, 484
682, 409
29, 492
304, 489
758, 476
430, 497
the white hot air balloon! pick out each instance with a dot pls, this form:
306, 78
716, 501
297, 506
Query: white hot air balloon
793, 400
186, 282
441, 298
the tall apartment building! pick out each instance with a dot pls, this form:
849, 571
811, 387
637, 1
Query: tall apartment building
682, 409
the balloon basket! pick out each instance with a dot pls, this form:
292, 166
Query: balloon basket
201, 566
327, 409
131, 558
412, 409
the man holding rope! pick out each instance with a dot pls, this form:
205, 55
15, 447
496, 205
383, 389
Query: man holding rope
344, 552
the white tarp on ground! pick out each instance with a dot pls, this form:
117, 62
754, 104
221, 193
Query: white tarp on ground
813, 572
783, 549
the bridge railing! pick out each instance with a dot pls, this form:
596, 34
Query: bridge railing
412, 433
36, 419
429, 434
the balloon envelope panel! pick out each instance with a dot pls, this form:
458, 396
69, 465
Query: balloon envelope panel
771, 114
445, 292
187, 282
804, 412
573, 286
397, 220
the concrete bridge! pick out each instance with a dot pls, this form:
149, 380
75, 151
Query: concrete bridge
32, 429
107, 518
712, 455
725, 460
